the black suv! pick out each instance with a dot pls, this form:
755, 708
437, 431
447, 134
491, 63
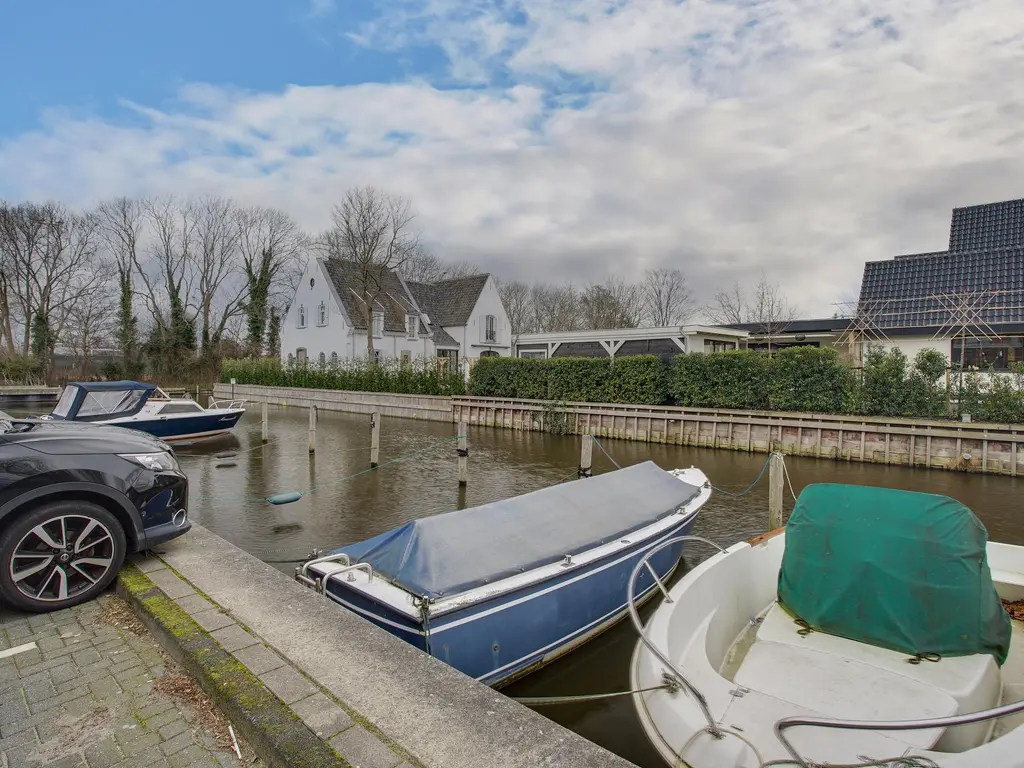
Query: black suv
74, 499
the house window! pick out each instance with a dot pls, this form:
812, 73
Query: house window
406, 358
300, 354
302, 316
376, 355
321, 314
710, 345
411, 325
532, 353
490, 328
323, 359
378, 325
983, 354
334, 359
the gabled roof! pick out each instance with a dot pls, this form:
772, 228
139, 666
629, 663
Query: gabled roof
449, 302
393, 299
443, 340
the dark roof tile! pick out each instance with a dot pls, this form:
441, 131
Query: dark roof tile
449, 302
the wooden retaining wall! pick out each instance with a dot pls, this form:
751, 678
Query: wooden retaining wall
973, 447
425, 407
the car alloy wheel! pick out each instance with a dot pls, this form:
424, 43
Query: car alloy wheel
62, 557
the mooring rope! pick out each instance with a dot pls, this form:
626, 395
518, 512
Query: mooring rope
542, 701
317, 487
750, 487
613, 461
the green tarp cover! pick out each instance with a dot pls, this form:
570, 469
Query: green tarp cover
897, 569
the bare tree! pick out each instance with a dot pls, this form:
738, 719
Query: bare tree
728, 307
555, 307
219, 286
122, 224
770, 310
373, 230
272, 252
613, 304
667, 298
93, 317
424, 267
515, 297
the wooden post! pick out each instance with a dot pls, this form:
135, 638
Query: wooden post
265, 433
197, 393
776, 478
463, 452
586, 456
312, 429
374, 438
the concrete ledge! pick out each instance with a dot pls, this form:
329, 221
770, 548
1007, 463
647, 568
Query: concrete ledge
273, 730
424, 407
417, 703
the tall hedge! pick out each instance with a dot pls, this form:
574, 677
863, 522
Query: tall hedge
810, 379
420, 377
738, 379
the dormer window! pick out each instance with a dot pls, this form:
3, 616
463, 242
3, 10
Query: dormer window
378, 325
321, 314
412, 326
302, 316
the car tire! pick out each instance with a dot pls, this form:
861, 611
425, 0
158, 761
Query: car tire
59, 554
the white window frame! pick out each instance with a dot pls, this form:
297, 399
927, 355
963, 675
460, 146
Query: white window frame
406, 358
322, 359
301, 355
334, 359
377, 325
321, 314
491, 329
301, 319
412, 326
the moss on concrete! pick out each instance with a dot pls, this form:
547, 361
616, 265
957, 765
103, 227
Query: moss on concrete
277, 734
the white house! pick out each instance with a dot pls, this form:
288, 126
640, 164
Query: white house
457, 319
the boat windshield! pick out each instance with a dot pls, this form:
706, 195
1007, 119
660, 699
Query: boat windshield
110, 402
67, 399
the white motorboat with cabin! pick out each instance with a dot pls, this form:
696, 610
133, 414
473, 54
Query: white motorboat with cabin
869, 631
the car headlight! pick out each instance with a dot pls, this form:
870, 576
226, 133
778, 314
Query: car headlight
158, 462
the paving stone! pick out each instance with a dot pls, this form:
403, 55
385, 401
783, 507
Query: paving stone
149, 564
171, 585
364, 750
213, 619
323, 716
233, 638
259, 659
194, 755
103, 754
177, 743
288, 684
173, 728
194, 604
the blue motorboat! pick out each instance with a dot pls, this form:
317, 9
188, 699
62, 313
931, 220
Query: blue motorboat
145, 407
499, 590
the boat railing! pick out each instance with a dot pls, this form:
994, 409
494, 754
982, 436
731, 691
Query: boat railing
644, 562
893, 725
225, 404
318, 584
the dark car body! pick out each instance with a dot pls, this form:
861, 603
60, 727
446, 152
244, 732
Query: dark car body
62, 484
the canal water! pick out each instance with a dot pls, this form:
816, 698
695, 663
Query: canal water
344, 502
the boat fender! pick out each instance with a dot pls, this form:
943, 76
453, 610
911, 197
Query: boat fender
220, 464
227, 455
284, 498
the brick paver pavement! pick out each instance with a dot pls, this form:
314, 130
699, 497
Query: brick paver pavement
83, 698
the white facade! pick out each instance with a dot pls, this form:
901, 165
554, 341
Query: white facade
316, 327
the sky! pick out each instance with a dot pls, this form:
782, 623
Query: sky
567, 140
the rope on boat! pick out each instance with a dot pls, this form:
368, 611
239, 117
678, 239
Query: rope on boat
598, 443
785, 470
751, 486
541, 701
906, 761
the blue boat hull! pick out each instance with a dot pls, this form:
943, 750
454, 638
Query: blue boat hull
504, 638
184, 427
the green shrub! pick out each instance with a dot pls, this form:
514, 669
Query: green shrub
516, 377
738, 379
884, 390
420, 377
640, 379
579, 379
810, 379
22, 370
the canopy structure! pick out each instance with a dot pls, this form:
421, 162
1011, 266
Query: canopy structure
99, 400
896, 569
450, 553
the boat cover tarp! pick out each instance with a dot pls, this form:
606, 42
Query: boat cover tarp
901, 570
452, 552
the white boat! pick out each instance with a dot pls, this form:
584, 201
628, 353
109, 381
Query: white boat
729, 677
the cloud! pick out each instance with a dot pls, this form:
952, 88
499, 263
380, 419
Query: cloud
589, 137
320, 8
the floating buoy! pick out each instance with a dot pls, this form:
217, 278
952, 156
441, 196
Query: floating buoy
220, 464
227, 455
284, 498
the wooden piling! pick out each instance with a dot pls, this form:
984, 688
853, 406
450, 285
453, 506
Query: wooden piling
312, 429
463, 452
776, 478
265, 427
586, 456
374, 438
